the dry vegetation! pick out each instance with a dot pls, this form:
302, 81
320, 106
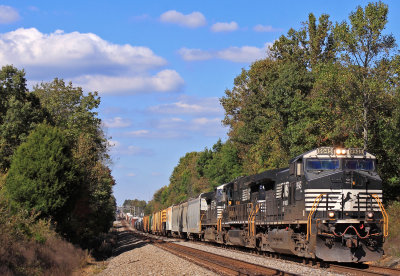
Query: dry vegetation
392, 245
30, 246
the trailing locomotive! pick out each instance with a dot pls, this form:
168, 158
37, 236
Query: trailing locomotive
327, 204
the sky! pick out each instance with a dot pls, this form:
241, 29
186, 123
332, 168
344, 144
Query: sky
160, 67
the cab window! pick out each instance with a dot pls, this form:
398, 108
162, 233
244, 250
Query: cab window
359, 164
322, 164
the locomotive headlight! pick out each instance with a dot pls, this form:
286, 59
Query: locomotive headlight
370, 215
331, 214
340, 151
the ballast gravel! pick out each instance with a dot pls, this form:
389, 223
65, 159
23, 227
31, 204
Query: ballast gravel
135, 257
283, 265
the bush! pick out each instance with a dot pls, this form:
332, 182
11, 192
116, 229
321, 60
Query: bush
31, 247
392, 244
43, 175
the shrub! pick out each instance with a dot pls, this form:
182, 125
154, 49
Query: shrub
392, 244
31, 247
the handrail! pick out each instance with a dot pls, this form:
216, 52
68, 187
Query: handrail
253, 227
219, 224
251, 219
201, 218
312, 211
384, 214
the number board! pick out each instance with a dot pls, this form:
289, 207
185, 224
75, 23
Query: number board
356, 151
325, 151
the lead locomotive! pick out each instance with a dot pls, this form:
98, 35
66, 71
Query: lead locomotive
326, 205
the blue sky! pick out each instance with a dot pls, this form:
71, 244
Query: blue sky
159, 66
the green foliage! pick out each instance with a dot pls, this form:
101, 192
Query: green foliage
20, 112
72, 111
43, 176
69, 108
95, 207
134, 202
364, 50
224, 164
61, 170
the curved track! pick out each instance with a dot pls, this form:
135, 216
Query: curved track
228, 267
219, 264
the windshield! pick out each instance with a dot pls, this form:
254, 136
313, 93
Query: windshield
322, 164
359, 164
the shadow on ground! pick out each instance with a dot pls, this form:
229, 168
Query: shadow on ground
126, 241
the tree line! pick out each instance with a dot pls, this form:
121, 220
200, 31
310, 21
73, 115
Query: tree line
326, 84
53, 157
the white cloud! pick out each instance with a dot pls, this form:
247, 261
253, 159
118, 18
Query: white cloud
164, 81
180, 128
73, 53
116, 122
242, 54
194, 54
264, 28
190, 105
8, 15
88, 61
245, 54
224, 27
134, 150
192, 20
119, 149
161, 133
203, 125
139, 133
114, 144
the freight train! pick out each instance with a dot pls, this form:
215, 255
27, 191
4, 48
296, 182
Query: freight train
327, 204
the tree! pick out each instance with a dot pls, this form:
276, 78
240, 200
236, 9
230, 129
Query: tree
224, 166
364, 49
20, 112
95, 206
72, 111
43, 176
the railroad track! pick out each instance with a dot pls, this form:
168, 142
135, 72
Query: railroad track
228, 269
352, 269
369, 270
219, 264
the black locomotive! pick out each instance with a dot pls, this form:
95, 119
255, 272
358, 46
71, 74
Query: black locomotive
327, 204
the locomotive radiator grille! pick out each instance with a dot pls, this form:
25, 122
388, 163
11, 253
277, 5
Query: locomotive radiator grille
352, 200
